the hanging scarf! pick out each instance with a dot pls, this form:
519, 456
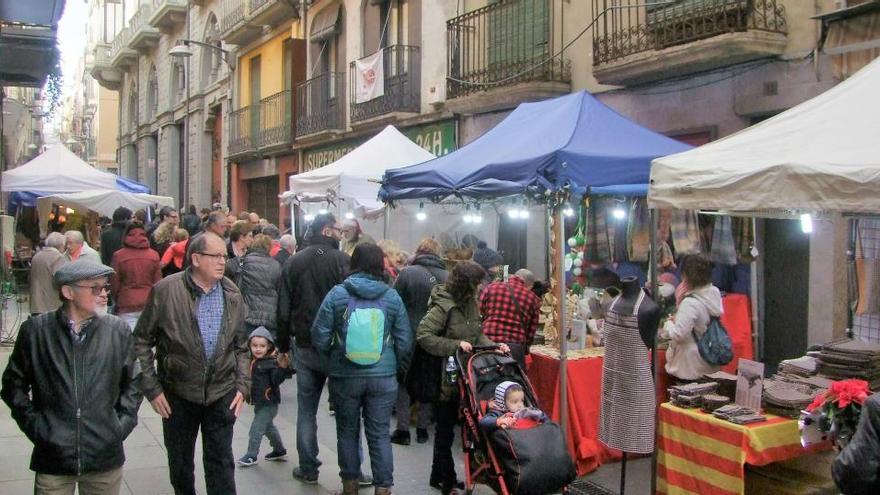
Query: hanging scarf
685, 232
723, 246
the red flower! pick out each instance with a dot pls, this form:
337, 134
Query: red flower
818, 402
846, 392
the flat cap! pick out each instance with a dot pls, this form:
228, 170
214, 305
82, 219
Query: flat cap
80, 270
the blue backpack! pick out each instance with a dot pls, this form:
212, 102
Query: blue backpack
363, 335
715, 345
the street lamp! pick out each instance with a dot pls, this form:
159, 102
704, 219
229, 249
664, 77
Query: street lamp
182, 50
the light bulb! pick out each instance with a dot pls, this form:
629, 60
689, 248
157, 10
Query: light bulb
349, 215
468, 218
421, 216
568, 212
524, 214
513, 213
308, 217
618, 213
478, 219
807, 223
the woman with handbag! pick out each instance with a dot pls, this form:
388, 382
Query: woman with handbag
451, 323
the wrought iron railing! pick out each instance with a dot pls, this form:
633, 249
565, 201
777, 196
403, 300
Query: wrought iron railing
256, 4
502, 44
401, 67
275, 120
320, 102
244, 130
234, 12
632, 27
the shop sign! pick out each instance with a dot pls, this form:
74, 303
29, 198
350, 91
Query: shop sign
438, 138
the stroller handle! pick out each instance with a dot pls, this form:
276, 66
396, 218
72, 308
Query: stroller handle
491, 347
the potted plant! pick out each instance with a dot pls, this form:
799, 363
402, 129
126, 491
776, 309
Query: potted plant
834, 414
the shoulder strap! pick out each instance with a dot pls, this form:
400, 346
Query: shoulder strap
519, 311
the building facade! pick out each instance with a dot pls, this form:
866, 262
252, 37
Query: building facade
22, 125
172, 110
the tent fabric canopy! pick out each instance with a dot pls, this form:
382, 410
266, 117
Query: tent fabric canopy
104, 202
354, 177
574, 140
822, 155
57, 170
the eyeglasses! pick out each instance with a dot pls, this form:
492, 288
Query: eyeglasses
96, 289
217, 257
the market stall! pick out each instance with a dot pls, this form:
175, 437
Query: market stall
819, 157
102, 202
552, 153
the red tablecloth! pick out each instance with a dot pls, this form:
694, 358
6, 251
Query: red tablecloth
584, 401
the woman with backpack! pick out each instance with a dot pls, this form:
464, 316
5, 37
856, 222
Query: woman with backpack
362, 331
451, 323
700, 303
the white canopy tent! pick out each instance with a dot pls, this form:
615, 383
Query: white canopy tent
104, 202
354, 178
57, 170
822, 155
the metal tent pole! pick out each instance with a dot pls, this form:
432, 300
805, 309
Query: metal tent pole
563, 341
655, 359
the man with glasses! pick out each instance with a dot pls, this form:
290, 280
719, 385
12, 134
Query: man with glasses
307, 277
195, 321
70, 384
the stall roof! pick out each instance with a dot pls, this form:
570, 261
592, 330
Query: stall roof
56, 170
572, 140
822, 155
355, 176
104, 202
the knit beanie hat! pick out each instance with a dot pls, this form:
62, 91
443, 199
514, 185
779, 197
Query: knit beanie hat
501, 394
262, 332
485, 257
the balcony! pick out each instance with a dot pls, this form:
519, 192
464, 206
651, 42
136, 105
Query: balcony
244, 132
320, 105
270, 11
402, 84
498, 56
234, 26
167, 14
102, 69
143, 35
121, 56
276, 125
637, 44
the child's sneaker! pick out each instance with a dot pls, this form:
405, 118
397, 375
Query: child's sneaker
277, 455
247, 461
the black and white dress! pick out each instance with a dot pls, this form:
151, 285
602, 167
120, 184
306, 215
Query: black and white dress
627, 418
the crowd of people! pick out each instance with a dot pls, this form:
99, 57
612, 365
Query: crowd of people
213, 311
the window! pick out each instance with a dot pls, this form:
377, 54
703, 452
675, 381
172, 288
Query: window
178, 80
152, 94
211, 59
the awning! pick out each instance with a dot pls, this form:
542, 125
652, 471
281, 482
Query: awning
325, 25
851, 36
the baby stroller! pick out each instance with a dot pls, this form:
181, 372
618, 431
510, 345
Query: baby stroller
530, 461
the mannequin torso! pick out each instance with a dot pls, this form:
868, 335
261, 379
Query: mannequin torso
649, 312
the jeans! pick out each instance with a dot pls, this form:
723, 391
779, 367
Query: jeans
216, 421
102, 483
371, 398
423, 419
446, 414
263, 426
131, 319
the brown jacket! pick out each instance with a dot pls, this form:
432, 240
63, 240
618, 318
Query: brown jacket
179, 366
44, 294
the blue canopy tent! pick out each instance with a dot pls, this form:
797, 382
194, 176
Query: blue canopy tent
29, 198
572, 141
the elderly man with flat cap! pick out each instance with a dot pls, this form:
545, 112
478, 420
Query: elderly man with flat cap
71, 386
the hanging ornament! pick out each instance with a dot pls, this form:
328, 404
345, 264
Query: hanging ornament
578, 262
577, 288
579, 239
568, 262
577, 272
580, 255
572, 242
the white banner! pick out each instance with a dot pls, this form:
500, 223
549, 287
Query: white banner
370, 77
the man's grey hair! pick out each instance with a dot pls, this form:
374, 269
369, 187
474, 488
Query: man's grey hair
288, 242
55, 240
527, 276
74, 236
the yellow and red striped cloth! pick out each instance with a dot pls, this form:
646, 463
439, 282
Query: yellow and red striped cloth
701, 454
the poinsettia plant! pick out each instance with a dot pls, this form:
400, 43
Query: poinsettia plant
836, 411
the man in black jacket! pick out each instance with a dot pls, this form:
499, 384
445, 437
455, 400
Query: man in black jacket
70, 384
307, 277
111, 239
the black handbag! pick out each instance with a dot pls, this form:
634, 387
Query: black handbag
425, 375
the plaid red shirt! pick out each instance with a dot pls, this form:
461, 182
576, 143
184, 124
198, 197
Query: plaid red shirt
501, 321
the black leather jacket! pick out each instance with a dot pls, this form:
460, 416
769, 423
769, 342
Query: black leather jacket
75, 402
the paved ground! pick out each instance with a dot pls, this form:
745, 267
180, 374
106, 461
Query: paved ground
146, 468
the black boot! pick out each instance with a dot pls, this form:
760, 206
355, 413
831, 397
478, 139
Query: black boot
444, 485
421, 435
400, 437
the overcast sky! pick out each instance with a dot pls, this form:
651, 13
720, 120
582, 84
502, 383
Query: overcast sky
72, 42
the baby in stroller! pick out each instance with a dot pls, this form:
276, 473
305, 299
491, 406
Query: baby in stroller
509, 410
